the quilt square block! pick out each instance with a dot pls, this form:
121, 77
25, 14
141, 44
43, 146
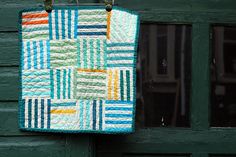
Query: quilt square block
91, 53
35, 55
35, 25
92, 23
35, 113
63, 24
36, 83
91, 84
77, 114
62, 83
63, 53
120, 55
77, 70
118, 116
120, 84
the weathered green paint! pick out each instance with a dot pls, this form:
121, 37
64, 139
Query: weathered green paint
164, 140
197, 141
200, 76
13, 142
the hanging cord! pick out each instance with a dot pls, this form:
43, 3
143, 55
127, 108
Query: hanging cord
109, 4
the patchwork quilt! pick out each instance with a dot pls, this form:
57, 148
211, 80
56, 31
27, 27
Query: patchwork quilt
78, 70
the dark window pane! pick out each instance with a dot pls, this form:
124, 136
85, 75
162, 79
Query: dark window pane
163, 76
223, 77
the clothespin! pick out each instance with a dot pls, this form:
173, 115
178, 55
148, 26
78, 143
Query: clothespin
48, 4
109, 4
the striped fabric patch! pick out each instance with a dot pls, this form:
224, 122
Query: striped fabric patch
78, 70
62, 83
90, 113
120, 85
63, 24
36, 113
64, 114
92, 23
118, 116
36, 55
128, 23
35, 25
120, 55
90, 85
36, 84
91, 53
63, 53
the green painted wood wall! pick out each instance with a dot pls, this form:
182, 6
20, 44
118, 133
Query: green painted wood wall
14, 143
199, 140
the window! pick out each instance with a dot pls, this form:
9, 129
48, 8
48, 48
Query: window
164, 75
223, 77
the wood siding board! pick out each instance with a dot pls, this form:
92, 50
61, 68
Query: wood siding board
9, 83
200, 76
157, 10
50, 146
10, 51
175, 141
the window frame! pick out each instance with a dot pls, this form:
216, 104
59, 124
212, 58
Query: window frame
200, 140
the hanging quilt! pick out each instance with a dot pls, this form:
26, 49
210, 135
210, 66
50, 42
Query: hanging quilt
78, 70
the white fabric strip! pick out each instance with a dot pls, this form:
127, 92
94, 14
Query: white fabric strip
61, 84
81, 53
26, 112
67, 88
45, 113
32, 113
120, 55
66, 24
32, 55
97, 114
121, 48
34, 26
120, 62
25, 60
88, 55
39, 113
125, 85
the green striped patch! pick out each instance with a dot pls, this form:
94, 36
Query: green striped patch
36, 36
91, 84
61, 55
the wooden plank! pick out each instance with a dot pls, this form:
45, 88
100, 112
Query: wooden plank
200, 76
150, 10
149, 5
170, 141
9, 120
9, 52
213, 5
9, 83
11, 8
50, 146
79, 145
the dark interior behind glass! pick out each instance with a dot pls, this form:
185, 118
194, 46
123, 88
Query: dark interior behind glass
163, 75
223, 77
